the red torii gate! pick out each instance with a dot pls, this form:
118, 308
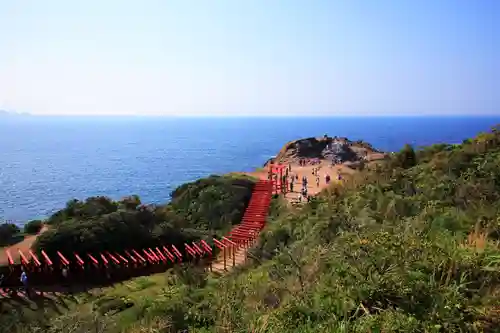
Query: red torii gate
46, 269
278, 179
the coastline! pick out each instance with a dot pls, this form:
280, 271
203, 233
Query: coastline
314, 169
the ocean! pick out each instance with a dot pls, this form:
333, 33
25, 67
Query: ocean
46, 161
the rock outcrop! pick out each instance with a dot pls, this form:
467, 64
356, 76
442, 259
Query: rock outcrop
337, 149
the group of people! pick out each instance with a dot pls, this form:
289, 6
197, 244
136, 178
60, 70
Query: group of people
303, 191
304, 162
291, 179
26, 285
24, 280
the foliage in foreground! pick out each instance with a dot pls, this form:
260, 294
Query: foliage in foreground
197, 210
9, 234
33, 227
408, 246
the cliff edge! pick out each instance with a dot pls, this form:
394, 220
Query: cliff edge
339, 150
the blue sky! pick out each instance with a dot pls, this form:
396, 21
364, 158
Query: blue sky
240, 57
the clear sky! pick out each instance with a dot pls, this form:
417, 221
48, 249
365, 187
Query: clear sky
240, 57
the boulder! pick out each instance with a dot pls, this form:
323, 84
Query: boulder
337, 149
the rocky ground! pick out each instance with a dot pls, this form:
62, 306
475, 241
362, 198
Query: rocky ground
331, 149
327, 155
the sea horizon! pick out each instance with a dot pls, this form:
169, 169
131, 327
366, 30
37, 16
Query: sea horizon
15, 114
48, 160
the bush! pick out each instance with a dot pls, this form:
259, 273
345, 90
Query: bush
33, 227
9, 234
197, 210
411, 246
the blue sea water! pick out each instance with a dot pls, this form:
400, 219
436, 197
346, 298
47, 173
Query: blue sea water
45, 161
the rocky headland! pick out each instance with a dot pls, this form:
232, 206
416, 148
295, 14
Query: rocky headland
339, 150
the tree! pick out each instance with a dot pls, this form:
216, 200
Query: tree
131, 202
33, 227
407, 157
8, 233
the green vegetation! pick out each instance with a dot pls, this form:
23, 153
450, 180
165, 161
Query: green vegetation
407, 245
33, 227
9, 234
197, 210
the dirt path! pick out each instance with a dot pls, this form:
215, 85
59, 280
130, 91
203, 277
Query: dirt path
324, 168
24, 246
239, 259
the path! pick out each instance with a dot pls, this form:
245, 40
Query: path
24, 246
325, 167
240, 258
242, 234
255, 214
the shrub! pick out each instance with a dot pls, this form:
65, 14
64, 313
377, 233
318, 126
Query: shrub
9, 234
411, 246
197, 210
33, 227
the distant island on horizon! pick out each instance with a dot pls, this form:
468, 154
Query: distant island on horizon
10, 113
13, 113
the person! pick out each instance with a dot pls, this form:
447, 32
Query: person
2, 277
24, 281
317, 181
327, 179
5, 289
66, 282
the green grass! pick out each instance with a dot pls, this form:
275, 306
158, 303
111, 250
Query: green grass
234, 175
410, 246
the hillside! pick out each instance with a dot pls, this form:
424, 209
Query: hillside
197, 210
407, 245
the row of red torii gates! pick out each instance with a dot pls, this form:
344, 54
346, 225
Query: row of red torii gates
108, 267
278, 175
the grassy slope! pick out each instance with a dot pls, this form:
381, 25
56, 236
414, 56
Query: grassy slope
409, 249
